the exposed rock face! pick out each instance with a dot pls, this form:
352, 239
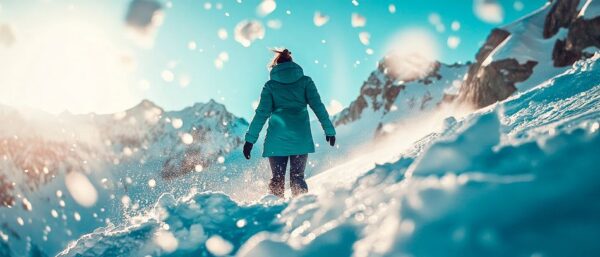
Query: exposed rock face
561, 14
487, 83
582, 34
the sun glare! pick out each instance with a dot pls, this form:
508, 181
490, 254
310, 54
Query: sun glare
67, 66
412, 53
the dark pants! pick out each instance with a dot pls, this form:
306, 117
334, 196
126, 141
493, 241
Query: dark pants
278, 167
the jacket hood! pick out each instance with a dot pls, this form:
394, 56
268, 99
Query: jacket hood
287, 72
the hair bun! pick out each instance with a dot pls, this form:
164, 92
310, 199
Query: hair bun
285, 51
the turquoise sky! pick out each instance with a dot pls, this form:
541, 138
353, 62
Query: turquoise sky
331, 54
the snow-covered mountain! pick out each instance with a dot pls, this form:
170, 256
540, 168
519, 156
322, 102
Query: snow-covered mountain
64, 175
388, 96
527, 52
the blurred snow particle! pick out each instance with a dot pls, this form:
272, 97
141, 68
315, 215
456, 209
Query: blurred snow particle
358, 20
392, 8
192, 45
187, 139
167, 75
27, 205
320, 19
166, 241
224, 56
144, 17
169, 4
127, 151
81, 189
246, 31
453, 41
176, 123
7, 35
455, 25
207, 6
274, 24
240, 223
125, 200
221, 59
266, 7
222, 33
518, 5
369, 51
334, 107
354, 2
434, 19
152, 183
144, 84
489, 11
54, 213
221, 159
59, 193
218, 64
364, 37
184, 80
77, 216
218, 246
20, 221
219, 6
198, 168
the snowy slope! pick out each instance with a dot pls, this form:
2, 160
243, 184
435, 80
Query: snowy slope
493, 183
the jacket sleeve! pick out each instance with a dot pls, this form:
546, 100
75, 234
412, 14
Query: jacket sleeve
314, 101
263, 112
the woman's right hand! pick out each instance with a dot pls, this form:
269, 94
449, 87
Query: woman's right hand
247, 150
330, 139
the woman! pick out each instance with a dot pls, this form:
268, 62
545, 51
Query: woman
283, 99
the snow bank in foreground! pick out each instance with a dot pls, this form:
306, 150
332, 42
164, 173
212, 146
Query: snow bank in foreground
518, 179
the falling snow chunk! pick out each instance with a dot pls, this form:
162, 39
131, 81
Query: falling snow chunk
125, 200
59, 193
489, 11
192, 45
198, 168
518, 5
247, 31
392, 8
369, 51
274, 24
222, 33
27, 205
364, 37
167, 75
207, 6
152, 183
221, 159
240, 223
187, 138
266, 7
455, 25
166, 241
184, 81
76, 216
320, 19
54, 213
81, 189
355, 2
20, 221
453, 42
218, 246
177, 123
358, 20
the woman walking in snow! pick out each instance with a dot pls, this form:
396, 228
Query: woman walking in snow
284, 99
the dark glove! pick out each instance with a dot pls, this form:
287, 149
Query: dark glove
247, 149
330, 139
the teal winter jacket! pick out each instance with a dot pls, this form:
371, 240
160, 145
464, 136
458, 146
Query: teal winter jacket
283, 101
